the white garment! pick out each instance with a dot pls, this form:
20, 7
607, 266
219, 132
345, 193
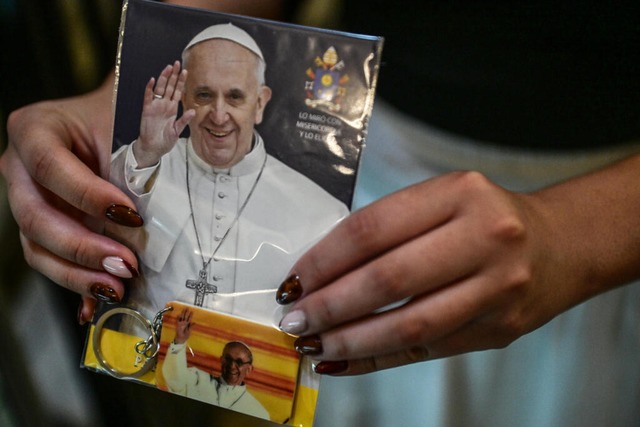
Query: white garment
580, 369
198, 384
285, 214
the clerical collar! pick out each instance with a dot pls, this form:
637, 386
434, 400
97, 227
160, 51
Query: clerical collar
251, 163
223, 382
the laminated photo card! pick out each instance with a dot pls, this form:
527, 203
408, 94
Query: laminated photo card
238, 140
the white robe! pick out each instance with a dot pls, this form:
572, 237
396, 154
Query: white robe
198, 384
286, 213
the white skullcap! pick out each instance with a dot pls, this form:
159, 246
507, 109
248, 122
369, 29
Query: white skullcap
227, 32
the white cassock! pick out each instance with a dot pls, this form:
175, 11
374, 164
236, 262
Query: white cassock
284, 216
198, 384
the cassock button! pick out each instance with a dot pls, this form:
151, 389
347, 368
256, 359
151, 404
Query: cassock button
217, 278
221, 195
217, 238
219, 216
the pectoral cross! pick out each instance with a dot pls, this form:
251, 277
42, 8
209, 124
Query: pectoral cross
201, 287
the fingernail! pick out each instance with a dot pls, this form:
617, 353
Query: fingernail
289, 291
294, 323
119, 267
309, 345
104, 293
124, 215
331, 367
81, 319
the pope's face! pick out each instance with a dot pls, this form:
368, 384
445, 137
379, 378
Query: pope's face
222, 87
235, 365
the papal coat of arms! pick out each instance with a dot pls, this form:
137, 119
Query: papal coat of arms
326, 87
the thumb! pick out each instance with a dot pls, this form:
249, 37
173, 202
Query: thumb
183, 121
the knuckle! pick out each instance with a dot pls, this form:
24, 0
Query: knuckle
416, 354
28, 220
471, 182
80, 253
362, 227
340, 347
520, 277
508, 228
14, 120
414, 331
42, 162
84, 199
313, 265
324, 314
511, 327
389, 282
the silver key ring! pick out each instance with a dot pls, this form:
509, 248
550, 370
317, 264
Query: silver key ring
148, 348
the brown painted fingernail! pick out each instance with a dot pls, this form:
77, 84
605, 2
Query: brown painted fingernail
289, 291
309, 345
124, 215
105, 293
331, 367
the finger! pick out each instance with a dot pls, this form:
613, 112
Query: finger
419, 322
495, 330
53, 165
373, 230
443, 258
84, 281
183, 121
57, 231
172, 82
373, 364
161, 86
86, 309
148, 92
179, 90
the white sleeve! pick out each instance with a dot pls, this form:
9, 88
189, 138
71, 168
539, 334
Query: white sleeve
174, 369
138, 178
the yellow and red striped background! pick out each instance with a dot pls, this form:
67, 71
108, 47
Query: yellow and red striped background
275, 362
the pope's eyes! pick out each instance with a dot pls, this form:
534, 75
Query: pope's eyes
203, 96
236, 95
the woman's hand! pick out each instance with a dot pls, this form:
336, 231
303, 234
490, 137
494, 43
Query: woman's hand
55, 166
457, 264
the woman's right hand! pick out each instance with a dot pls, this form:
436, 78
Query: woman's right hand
55, 167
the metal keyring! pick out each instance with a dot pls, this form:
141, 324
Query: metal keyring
153, 336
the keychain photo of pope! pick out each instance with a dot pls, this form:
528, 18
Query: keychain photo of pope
223, 220
227, 390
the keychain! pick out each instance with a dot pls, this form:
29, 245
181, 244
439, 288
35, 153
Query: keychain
147, 349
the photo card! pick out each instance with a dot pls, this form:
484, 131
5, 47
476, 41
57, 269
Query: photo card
238, 141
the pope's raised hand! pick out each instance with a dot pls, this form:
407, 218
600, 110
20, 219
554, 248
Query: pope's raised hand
183, 326
159, 126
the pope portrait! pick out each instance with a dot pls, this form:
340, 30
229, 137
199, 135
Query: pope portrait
224, 220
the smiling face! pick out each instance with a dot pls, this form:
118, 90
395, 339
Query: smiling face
236, 363
223, 88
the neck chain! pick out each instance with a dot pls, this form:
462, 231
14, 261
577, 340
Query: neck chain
200, 285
